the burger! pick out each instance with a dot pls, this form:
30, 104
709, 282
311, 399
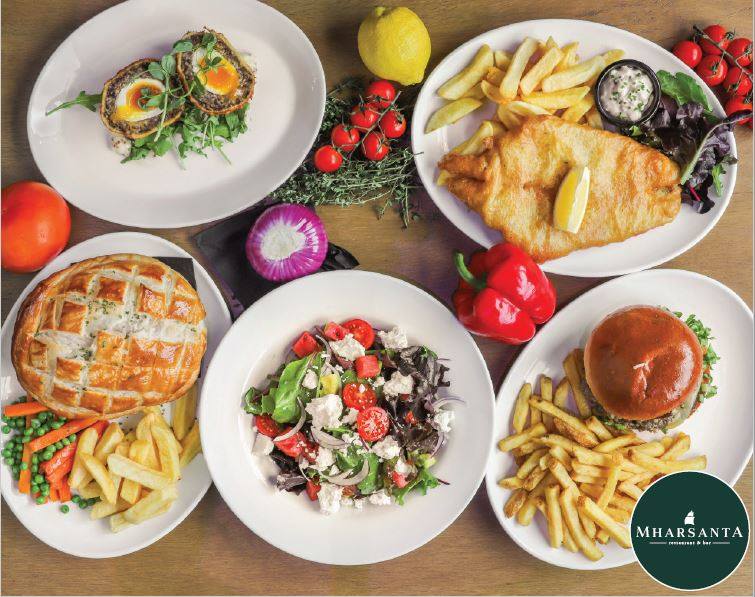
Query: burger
646, 369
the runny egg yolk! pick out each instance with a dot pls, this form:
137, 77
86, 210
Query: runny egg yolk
222, 79
133, 108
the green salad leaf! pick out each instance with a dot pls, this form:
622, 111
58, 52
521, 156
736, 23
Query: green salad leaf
370, 483
683, 89
285, 395
422, 482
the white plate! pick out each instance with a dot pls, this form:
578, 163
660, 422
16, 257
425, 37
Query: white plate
71, 147
255, 346
74, 533
722, 428
638, 253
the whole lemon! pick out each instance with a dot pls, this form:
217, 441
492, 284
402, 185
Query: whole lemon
394, 44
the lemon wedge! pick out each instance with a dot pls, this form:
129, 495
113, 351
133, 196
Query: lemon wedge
571, 200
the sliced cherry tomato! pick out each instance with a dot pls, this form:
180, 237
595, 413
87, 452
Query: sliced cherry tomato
327, 159
367, 366
718, 34
292, 446
382, 93
393, 124
312, 489
333, 331
688, 52
361, 330
373, 423
741, 51
359, 395
374, 146
737, 82
712, 69
267, 426
737, 104
364, 116
305, 345
344, 137
399, 480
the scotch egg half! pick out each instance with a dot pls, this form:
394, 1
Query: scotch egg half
130, 102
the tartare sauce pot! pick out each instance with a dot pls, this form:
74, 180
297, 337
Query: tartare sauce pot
653, 102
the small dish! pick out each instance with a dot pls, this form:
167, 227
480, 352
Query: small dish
649, 110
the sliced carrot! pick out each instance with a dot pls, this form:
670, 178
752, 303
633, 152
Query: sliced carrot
24, 477
64, 490
61, 463
49, 438
24, 408
100, 426
53, 494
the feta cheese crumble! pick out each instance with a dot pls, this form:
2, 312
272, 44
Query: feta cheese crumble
310, 380
380, 498
350, 417
442, 420
403, 467
326, 411
324, 459
399, 384
348, 348
262, 444
386, 448
394, 339
379, 381
330, 498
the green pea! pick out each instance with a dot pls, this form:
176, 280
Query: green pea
6, 418
35, 423
58, 445
34, 458
72, 437
40, 432
92, 501
8, 460
24, 466
28, 431
65, 441
64, 509
34, 488
38, 479
45, 491
57, 425
34, 468
75, 498
26, 439
82, 504
5, 452
6, 429
41, 500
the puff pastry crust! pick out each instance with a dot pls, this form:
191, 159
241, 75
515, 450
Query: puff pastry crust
109, 336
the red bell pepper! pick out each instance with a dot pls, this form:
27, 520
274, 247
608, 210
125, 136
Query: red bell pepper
502, 294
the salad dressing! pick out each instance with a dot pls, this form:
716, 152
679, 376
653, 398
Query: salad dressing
626, 92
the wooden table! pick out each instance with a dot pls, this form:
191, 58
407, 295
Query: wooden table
211, 552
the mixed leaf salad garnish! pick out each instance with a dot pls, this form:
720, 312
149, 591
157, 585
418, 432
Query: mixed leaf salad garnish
353, 416
685, 129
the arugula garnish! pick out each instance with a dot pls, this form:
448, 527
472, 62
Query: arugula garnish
89, 100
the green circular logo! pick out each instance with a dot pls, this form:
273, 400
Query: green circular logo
690, 530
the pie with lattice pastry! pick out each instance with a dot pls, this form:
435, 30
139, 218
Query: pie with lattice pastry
109, 336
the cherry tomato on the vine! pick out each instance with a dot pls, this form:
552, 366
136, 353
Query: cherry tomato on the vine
393, 124
737, 104
374, 146
737, 82
344, 137
327, 159
364, 116
718, 34
688, 52
741, 51
712, 69
382, 93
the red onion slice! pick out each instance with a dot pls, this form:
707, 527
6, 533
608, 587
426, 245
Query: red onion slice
343, 479
295, 428
287, 242
327, 440
433, 406
441, 440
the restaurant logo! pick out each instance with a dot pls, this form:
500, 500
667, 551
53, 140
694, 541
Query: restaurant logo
690, 530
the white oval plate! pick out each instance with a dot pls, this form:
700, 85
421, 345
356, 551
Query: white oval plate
258, 342
641, 252
74, 533
71, 147
722, 428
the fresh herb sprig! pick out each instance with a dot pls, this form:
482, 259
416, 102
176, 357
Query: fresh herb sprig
388, 183
90, 101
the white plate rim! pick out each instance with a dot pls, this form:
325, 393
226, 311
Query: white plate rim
10, 321
721, 203
213, 466
491, 481
137, 221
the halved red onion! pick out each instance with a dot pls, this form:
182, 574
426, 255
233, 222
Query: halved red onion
327, 440
343, 479
295, 428
286, 242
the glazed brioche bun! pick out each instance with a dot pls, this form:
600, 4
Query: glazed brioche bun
642, 362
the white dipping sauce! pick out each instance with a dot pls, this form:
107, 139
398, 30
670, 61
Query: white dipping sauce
625, 93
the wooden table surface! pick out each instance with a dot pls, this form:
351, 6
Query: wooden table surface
211, 552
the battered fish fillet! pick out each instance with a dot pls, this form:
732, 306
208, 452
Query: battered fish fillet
513, 185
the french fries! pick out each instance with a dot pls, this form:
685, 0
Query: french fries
111, 437
572, 371
128, 469
515, 70
101, 475
191, 446
544, 67
166, 449
184, 413
458, 85
452, 112
79, 476
581, 476
574, 75
557, 100
151, 505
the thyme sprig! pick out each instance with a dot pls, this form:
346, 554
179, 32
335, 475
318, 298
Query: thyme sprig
388, 183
